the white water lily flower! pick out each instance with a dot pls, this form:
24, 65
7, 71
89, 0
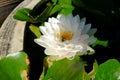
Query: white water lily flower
66, 36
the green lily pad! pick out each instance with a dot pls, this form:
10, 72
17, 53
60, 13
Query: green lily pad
110, 70
65, 70
23, 14
14, 67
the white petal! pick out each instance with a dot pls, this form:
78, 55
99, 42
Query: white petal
43, 30
77, 31
77, 19
81, 25
86, 28
53, 20
50, 51
83, 20
84, 37
65, 22
92, 40
61, 17
90, 50
70, 16
55, 27
41, 43
45, 41
70, 55
75, 28
92, 31
48, 28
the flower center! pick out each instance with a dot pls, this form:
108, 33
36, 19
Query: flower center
66, 36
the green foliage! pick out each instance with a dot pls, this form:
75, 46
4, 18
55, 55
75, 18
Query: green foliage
69, 2
23, 14
100, 42
35, 30
54, 1
14, 67
63, 7
110, 70
44, 15
67, 9
65, 70
74, 70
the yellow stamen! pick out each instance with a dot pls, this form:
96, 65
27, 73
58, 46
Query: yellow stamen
66, 36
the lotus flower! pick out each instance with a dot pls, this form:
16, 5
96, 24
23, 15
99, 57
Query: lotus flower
66, 36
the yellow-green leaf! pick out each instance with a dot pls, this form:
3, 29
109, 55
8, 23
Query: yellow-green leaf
35, 30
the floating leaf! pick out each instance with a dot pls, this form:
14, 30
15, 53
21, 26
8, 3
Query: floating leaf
110, 70
23, 14
14, 67
65, 70
35, 30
